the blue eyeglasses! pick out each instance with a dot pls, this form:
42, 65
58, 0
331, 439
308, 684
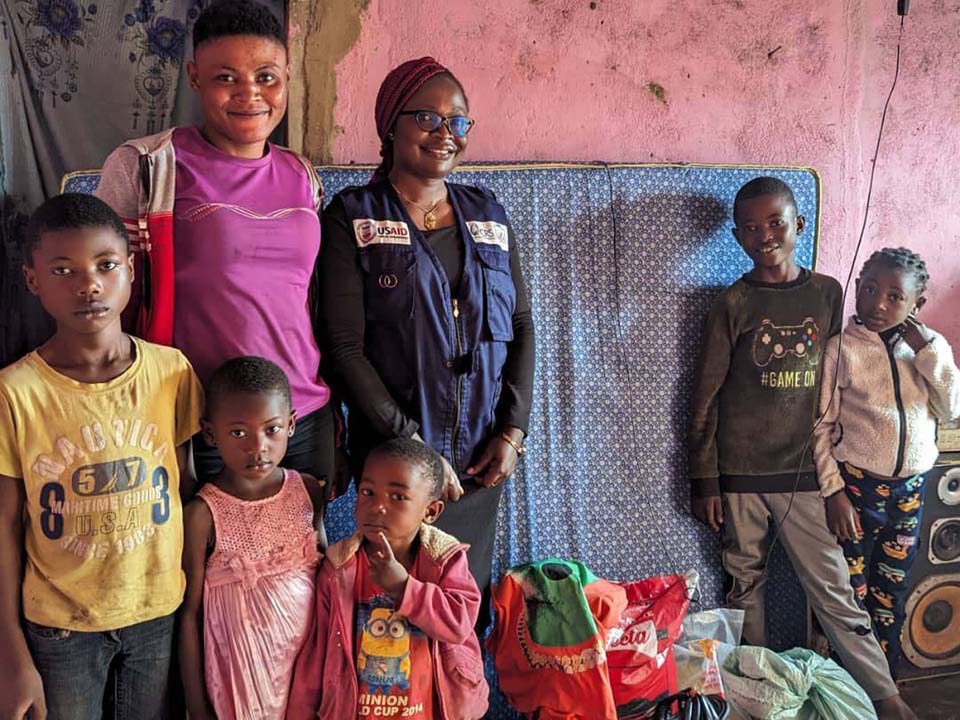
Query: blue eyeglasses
429, 121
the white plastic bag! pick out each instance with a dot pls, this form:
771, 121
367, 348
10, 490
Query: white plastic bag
706, 640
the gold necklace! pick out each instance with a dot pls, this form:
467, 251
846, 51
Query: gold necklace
429, 214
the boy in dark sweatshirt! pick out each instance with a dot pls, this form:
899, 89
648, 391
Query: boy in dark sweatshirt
754, 405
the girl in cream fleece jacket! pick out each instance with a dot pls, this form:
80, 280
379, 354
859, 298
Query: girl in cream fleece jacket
887, 379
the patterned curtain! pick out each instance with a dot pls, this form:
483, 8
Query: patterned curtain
80, 77
622, 263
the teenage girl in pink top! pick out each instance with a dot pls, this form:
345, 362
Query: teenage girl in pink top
250, 552
229, 224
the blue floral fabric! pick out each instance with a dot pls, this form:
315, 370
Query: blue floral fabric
88, 75
622, 263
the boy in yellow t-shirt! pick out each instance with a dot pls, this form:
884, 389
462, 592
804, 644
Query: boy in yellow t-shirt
93, 433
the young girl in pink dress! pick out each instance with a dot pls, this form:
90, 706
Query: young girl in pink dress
250, 552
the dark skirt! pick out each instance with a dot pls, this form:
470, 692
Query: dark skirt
473, 520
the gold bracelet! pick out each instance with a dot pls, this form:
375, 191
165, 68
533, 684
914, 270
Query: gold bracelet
514, 444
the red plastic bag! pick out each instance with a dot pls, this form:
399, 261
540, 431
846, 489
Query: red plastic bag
640, 648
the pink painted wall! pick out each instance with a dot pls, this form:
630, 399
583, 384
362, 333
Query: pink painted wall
798, 82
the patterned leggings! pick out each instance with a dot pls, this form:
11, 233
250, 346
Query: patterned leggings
879, 564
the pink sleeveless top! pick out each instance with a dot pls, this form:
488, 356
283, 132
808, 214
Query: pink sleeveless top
257, 598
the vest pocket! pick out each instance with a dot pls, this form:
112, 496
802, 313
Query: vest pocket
388, 284
500, 293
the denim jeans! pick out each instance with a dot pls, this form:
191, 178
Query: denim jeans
119, 674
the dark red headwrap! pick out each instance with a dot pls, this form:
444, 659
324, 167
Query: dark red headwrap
401, 84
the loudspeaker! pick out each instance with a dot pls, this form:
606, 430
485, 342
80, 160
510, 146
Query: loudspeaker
931, 631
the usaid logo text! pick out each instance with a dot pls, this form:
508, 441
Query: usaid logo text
380, 232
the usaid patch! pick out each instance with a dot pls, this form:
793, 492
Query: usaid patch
489, 232
380, 232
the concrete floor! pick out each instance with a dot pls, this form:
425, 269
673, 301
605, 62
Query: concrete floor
934, 698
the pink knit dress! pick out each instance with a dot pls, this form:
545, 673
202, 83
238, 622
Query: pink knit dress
257, 597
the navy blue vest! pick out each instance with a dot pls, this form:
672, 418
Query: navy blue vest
439, 356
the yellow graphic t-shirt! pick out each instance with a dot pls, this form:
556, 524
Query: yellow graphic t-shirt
104, 521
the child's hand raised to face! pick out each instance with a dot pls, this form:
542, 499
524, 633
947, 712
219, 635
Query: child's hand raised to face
386, 570
914, 334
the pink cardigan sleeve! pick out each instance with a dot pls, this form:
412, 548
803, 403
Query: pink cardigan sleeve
306, 686
447, 609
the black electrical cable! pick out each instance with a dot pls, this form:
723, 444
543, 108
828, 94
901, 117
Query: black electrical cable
843, 302
687, 705
621, 353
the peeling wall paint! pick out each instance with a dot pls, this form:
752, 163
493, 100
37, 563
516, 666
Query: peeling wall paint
723, 81
321, 32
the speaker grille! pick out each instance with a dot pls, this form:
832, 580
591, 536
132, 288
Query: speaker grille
945, 541
931, 636
948, 489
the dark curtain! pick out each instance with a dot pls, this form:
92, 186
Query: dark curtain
79, 78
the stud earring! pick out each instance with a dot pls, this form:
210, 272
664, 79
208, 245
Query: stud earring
391, 136
290, 432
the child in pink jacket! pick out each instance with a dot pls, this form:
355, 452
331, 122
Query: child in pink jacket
396, 606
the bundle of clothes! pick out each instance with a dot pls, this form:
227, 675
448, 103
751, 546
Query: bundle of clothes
569, 645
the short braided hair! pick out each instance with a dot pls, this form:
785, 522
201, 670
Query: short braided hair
248, 375
900, 258
422, 457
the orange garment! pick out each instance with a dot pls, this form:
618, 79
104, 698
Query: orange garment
394, 667
552, 620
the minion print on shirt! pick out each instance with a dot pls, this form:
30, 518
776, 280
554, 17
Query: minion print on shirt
383, 661
394, 666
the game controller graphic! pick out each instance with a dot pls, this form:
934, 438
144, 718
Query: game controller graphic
777, 341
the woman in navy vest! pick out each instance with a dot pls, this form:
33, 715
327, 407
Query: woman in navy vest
428, 321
